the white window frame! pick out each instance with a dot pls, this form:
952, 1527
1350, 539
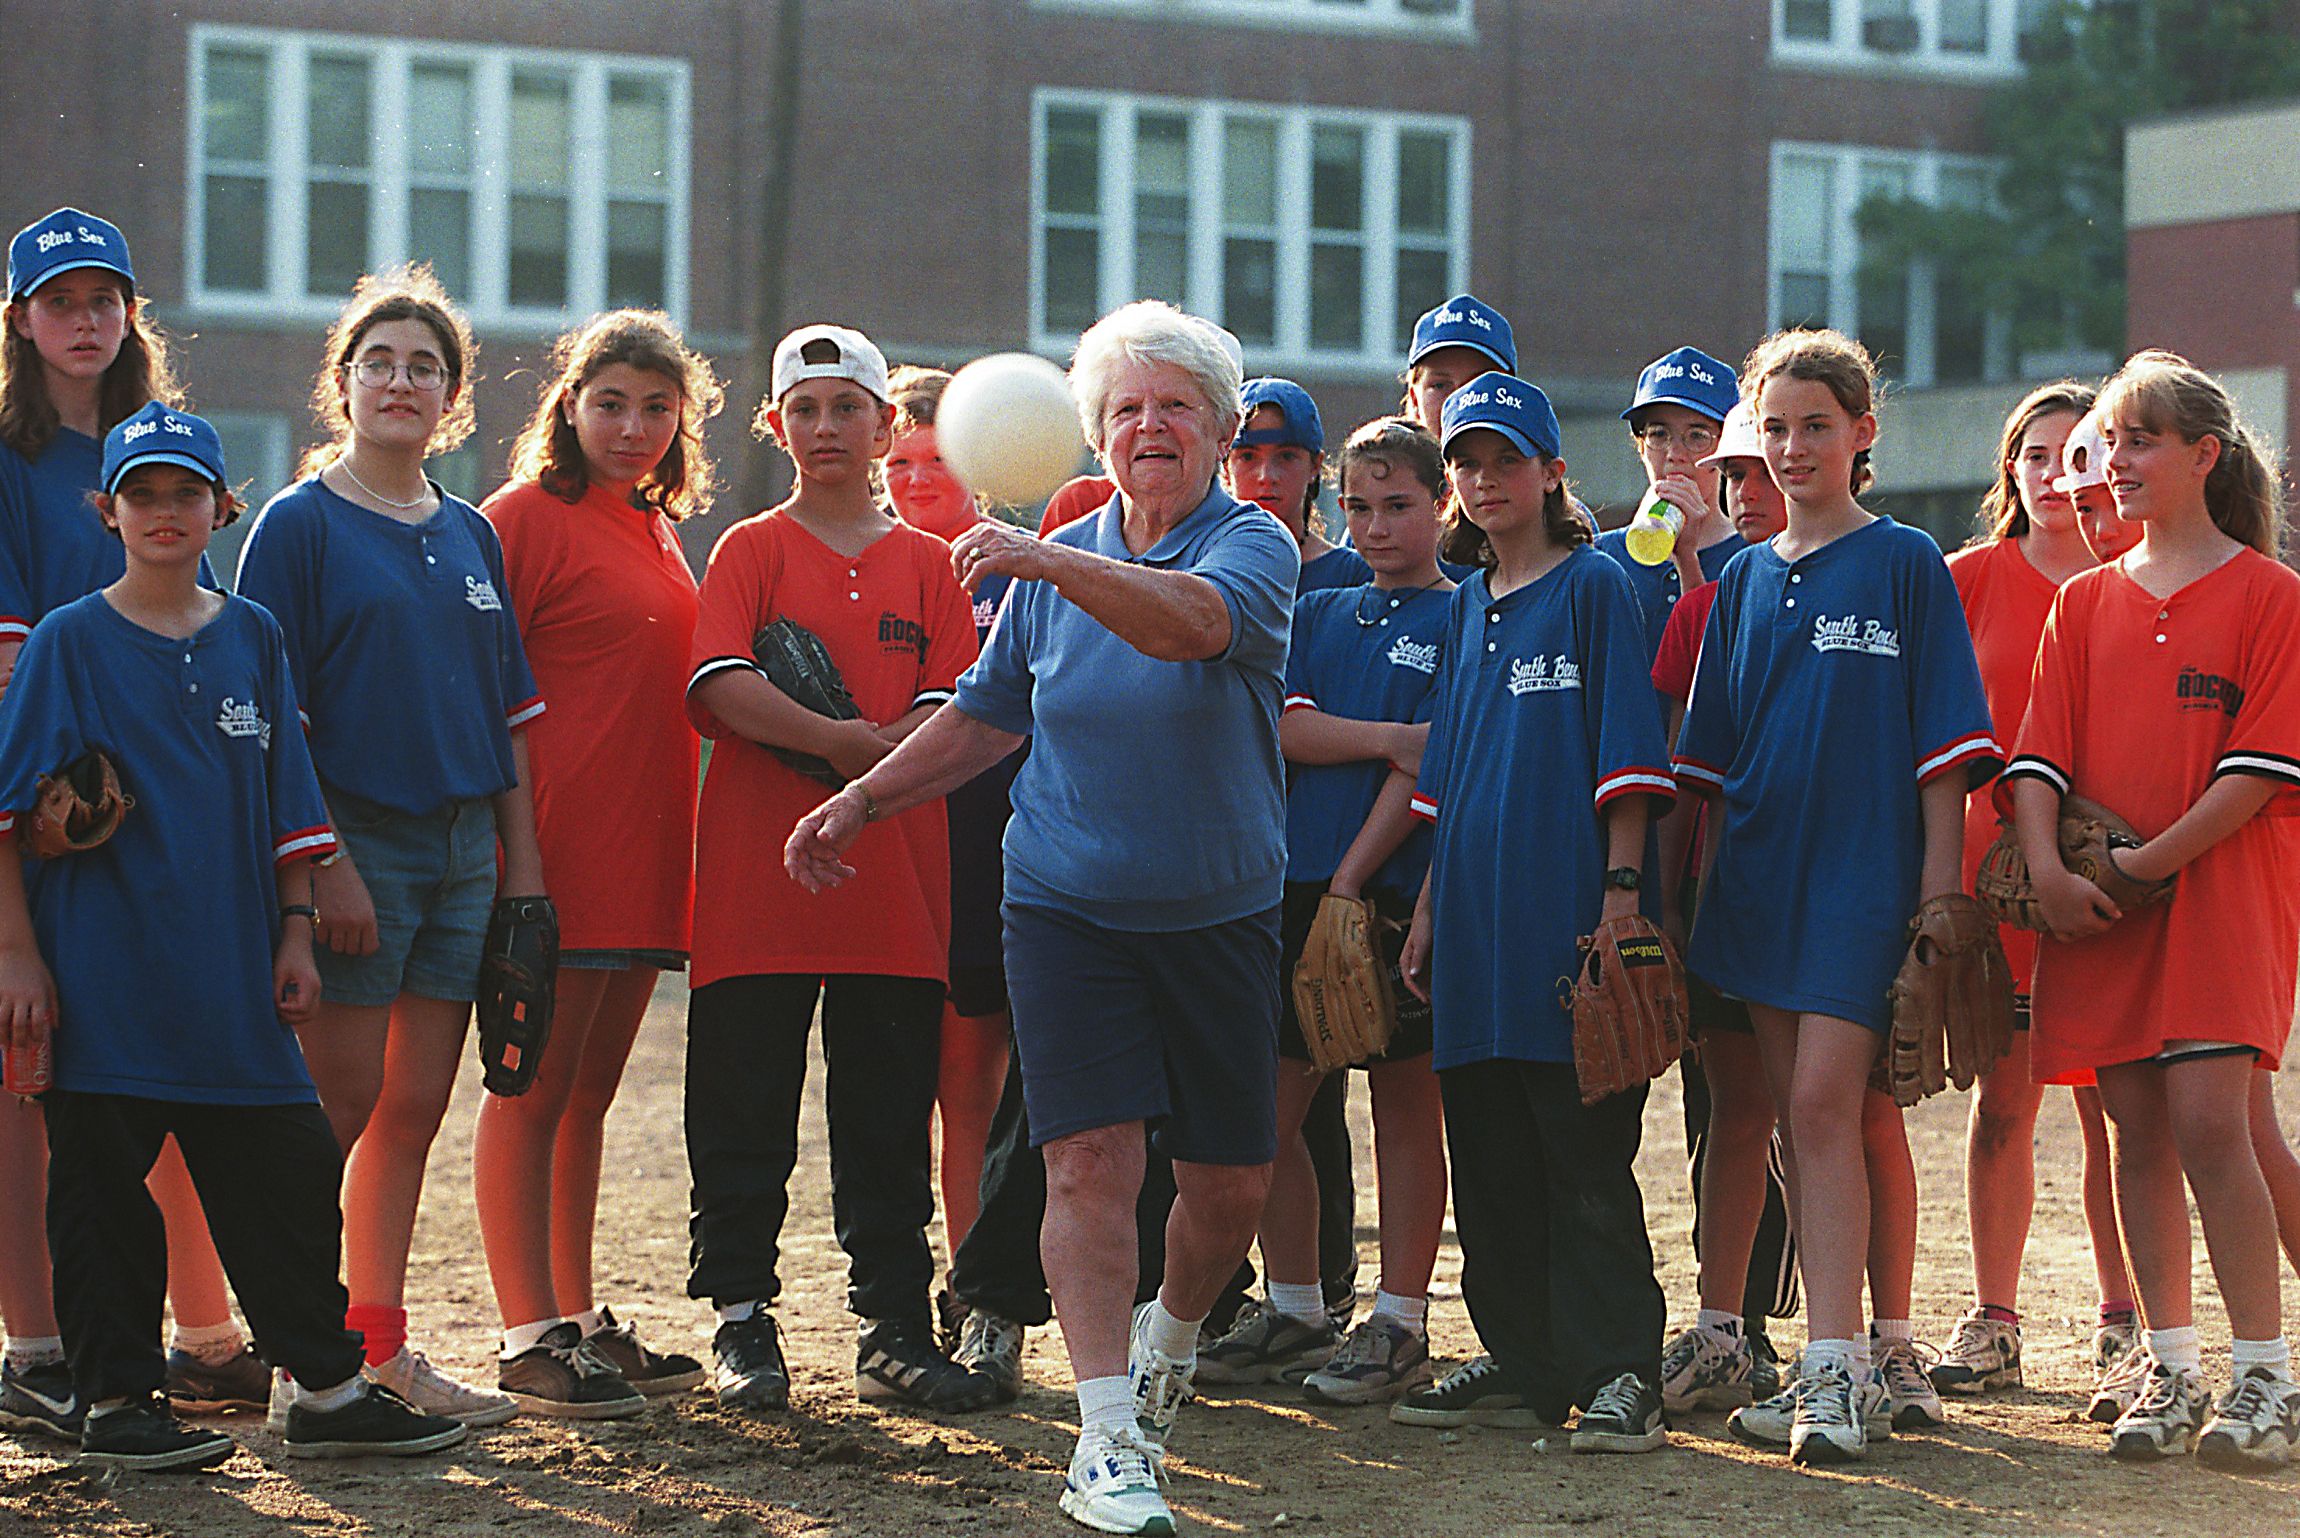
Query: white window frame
1291, 348
391, 177
1846, 50
1381, 16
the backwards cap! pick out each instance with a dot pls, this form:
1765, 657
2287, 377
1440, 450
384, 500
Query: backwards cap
1299, 426
853, 356
2083, 458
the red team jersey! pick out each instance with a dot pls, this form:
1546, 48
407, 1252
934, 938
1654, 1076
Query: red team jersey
1077, 498
1680, 648
2140, 703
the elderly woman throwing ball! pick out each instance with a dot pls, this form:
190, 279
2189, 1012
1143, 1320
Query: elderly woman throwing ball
1142, 650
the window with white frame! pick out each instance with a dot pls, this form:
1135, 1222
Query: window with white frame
1983, 38
1316, 235
1925, 326
1405, 16
539, 184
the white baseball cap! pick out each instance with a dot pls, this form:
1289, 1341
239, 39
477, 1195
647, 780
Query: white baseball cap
1737, 439
843, 353
2083, 458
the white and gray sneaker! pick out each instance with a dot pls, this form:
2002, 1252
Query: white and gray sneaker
1161, 1384
2118, 1385
1706, 1368
1113, 1483
1984, 1353
1770, 1422
2164, 1418
2115, 1340
2255, 1425
1379, 1360
411, 1376
1910, 1397
992, 1346
1266, 1346
1832, 1414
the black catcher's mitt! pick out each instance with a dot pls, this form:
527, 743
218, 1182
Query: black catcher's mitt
518, 982
796, 662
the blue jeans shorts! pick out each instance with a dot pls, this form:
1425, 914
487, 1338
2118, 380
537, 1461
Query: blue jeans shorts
432, 879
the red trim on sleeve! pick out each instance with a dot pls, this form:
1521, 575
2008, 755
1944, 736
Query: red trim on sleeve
1424, 808
1296, 702
1637, 780
14, 627
522, 714
1950, 755
1707, 774
7, 822
303, 844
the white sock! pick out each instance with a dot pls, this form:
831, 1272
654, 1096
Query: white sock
323, 1399
213, 1345
1892, 1331
525, 1337
2177, 1348
1413, 1313
1852, 1355
2274, 1355
1176, 1338
736, 1312
1107, 1403
1720, 1321
103, 1407
591, 1321
1305, 1301
34, 1350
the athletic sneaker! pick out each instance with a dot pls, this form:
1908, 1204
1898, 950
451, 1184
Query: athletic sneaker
242, 1383
650, 1372
2115, 1340
1113, 1483
145, 1434
1706, 1369
2119, 1386
2164, 1419
1833, 1412
1764, 1365
1341, 1306
896, 1361
1624, 1417
2256, 1424
949, 1320
1984, 1353
747, 1365
561, 1375
1770, 1421
1910, 1397
992, 1347
378, 1424
40, 1399
411, 1376
1380, 1359
1477, 1393
1268, 1347
1161, 1384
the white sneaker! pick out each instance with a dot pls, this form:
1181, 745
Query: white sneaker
1832, 1415
1706, 1369
1769, 1422
2113, 1342
1113, 1483
2118, 1386
411, 1376
2256, 1424
1910, 1398
1161, 1386
2164, 1419
1983, 1353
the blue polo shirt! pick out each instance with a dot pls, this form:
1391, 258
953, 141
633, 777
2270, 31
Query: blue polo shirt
1829, 689
1338, 567
406, 653
1366, 654
161, 939
1659, 587
54, 547
1153, 798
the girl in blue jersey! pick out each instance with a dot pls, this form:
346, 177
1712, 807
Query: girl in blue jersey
1837, 707
1544, 760
414, 687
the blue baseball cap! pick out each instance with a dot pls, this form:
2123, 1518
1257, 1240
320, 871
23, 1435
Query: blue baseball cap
64, 240
1690, 378
159, 435
1465, 321
1302, 427
1507, 404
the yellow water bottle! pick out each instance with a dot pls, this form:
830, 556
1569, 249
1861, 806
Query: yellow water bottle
1652, 534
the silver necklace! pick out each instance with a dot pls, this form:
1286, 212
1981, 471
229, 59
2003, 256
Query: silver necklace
344, 464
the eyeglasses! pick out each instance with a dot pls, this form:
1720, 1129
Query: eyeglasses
378, 373
1696, 441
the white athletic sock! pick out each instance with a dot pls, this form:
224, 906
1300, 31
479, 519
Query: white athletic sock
214, 1345
2177, 1348
1852, 1355
1720, 1321
735, 1312
1892, 1331
591, 1321
1105, 1402
1413, 1313
1177, 1338
324, 1399
525, 1337
103, 1407
34, 1350
2274, 1355
1305, 1301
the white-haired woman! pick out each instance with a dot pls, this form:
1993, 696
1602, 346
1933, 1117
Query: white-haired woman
1142, 650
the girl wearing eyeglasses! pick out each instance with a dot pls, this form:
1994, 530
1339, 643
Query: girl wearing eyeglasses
414, 688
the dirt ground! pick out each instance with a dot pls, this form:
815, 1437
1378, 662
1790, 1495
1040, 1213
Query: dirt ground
2023, 1463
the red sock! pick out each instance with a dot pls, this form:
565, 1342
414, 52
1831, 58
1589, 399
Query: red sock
384, 1327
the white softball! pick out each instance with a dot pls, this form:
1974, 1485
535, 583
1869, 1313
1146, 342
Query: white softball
1008, 427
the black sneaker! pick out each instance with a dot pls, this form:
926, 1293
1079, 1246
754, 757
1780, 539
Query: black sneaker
896, 1360
1625, 1417
243, 1383
1477, 1393
1764, 1364
747, 1365
561, 1375
146, 1435
649, 1371
40, 1399
949, 1320
378, 1424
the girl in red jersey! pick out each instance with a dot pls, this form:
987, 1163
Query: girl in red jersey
2168, 686
612, 458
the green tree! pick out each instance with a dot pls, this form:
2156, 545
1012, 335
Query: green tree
2050, 253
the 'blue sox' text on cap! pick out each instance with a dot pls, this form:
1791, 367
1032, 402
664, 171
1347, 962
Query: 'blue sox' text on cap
1465, 321
162, 436
65, 240
1690, 378
1513, 407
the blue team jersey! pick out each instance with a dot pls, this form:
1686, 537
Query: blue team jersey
54, 547
1659, 587
161, 939
1829, 689
406, 655
1338, 567
1544, 714
1367, 654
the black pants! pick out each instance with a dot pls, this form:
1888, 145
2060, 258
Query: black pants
1771, 1288
268, 1177
746, 1071
1556, 1268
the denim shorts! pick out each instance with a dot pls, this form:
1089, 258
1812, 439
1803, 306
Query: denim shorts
432, 880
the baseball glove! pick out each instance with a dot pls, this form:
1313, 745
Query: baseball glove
1952, 1001
2089, 833
1629, 1007
1342, 990
796, 662
77, 807
518, 983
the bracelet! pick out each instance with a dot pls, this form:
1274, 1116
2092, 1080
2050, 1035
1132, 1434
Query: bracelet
299, 911
332, 857
869, 801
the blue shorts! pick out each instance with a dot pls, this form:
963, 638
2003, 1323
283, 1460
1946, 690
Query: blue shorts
1178, 1029
432, 880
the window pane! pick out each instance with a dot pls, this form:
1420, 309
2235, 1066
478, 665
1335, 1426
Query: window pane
439, 119
1965, 26
1337, 297
539, 251
1073, 279
1073, 162
1161, 206
1964, 187
335, 245
1337, 178
539, 129
336, 102
1423, 284
1884, 327
1425, 190
1807, 20
1960, 340
1161, 266
635, 255
1250, 290
1249, 173
439, 232
1801, 213
235, 121
1804, 299
638, 133
237, 220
